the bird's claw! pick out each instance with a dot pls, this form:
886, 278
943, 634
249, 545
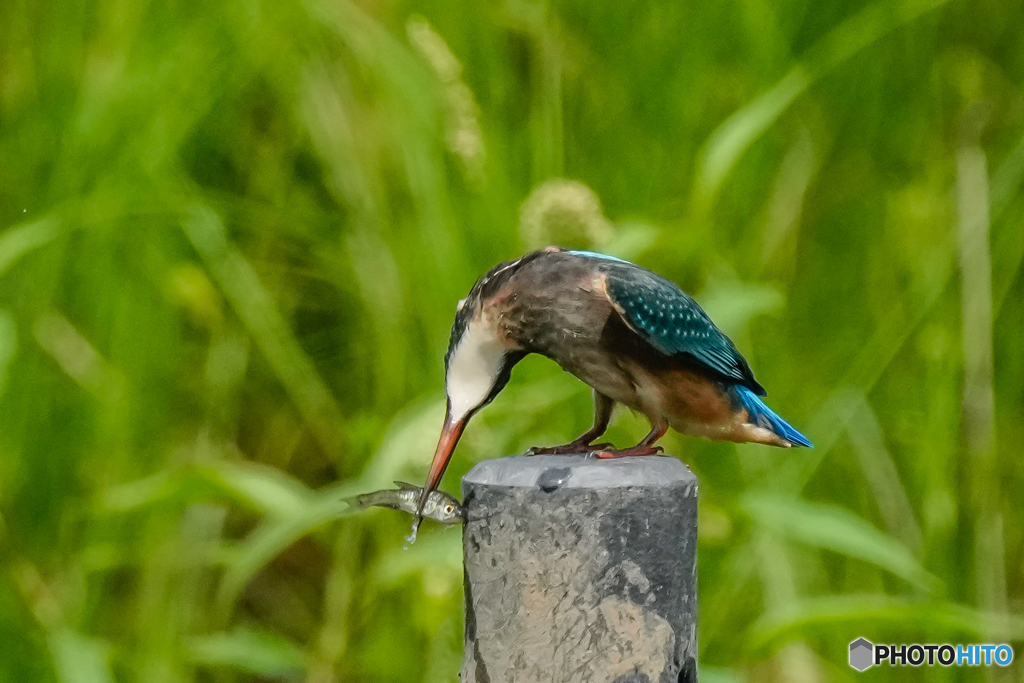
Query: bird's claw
573, 448
607, 454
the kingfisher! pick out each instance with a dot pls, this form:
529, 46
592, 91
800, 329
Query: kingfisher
633, 336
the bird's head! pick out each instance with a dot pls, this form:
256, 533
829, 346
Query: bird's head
478, 363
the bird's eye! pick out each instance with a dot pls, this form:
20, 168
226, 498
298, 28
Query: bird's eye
449, 509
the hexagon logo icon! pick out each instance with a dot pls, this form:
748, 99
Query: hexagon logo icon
862, 654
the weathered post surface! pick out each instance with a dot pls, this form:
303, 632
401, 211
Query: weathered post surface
580, 570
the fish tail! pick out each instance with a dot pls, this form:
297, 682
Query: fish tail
760, 414
384, 499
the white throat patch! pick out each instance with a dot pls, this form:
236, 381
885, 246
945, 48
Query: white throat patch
473, 369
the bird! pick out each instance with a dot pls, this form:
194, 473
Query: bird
633, 336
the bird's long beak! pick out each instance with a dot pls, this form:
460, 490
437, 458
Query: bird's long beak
450, 434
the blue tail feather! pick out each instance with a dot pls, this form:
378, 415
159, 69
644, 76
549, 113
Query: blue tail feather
763, 416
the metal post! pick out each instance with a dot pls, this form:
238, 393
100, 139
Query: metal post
580, 570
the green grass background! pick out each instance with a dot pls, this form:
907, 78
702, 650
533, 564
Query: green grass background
232, 238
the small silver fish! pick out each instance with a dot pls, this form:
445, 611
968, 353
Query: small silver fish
440, 506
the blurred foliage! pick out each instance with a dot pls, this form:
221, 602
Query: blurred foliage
232, 236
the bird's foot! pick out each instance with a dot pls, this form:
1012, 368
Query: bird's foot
606, 453
571, 448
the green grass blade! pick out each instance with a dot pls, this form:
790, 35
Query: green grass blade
255, 306
882, 614
735, 135
833, 528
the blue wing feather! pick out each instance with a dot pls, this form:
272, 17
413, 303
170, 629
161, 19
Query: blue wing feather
670, 320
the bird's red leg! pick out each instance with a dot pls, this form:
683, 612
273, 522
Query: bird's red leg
645, 447
583, 443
